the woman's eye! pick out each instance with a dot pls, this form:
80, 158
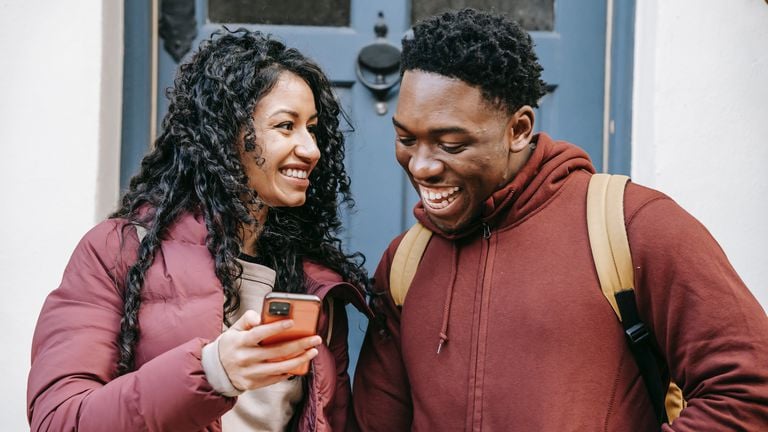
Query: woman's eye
285, 125
313, 129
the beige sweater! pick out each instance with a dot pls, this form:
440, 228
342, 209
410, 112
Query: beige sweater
266, 409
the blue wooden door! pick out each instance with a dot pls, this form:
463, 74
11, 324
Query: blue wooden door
570, 39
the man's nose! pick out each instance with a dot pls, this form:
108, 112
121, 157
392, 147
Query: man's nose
423, 165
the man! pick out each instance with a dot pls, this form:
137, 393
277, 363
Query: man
505, 326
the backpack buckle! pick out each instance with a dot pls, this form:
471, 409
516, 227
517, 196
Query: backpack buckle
637, 333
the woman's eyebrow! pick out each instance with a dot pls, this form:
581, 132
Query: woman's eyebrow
290, 112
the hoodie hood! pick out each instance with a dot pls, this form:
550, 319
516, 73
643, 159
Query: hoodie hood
537, 181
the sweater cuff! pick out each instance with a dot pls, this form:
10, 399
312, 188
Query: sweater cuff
214, 371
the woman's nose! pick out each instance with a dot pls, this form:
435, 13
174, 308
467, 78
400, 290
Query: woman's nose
307, 148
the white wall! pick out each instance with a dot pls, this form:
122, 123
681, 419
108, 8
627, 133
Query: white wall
700, 119
59, 140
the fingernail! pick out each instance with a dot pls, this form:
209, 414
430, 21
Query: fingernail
317, 340
313, 353
286, 323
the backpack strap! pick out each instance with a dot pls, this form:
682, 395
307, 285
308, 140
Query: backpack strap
608, 237
613, 262
406, 261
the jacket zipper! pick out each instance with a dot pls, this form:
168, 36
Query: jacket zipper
479, 366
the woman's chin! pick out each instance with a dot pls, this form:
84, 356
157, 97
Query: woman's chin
287, 202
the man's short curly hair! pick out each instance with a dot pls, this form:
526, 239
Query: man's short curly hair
486, 50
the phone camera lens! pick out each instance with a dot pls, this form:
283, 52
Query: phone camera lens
279, 308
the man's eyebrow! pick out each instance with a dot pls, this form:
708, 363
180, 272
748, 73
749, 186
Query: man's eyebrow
398, 124
448, 130
436, 131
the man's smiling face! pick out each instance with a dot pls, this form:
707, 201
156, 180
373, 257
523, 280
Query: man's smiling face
456, 147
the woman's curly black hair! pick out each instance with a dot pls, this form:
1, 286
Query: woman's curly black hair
486, 50
195, 168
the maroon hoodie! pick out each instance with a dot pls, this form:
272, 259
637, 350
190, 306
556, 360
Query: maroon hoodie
529, 343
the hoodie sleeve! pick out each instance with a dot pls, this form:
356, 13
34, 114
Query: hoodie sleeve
381, 396
71, 383
710, 328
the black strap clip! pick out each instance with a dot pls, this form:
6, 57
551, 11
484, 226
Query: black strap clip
637, 334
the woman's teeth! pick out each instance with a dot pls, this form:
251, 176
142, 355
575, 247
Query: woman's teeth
300, 174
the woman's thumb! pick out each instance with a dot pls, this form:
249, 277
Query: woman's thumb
249, 320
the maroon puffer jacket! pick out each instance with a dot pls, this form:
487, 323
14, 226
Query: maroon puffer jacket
72, 385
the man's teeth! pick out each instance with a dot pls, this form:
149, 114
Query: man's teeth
433, 195
300, 174
440, 198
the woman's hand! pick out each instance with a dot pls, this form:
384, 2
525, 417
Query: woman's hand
247, 363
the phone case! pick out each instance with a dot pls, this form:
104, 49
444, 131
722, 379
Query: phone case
303, 309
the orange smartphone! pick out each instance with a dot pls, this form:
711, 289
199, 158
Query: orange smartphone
303, 309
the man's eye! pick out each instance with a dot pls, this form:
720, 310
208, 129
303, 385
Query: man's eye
406, 141
452, 147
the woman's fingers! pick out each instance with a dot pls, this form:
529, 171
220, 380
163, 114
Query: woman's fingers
260, 332
262, 374
282, 367
289, 348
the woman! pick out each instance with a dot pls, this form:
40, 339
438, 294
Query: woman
155, 325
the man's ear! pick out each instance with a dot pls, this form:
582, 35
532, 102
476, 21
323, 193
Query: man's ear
520, 128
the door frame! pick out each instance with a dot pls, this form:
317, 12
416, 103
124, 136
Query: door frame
621, 63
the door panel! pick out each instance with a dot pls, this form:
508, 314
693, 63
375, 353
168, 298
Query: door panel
532, 15
326, 13
573, 57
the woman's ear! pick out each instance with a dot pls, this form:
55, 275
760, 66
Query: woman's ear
520, 128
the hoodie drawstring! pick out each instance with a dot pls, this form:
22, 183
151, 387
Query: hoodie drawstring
448, 297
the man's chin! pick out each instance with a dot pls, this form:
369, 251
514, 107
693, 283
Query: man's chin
448, 227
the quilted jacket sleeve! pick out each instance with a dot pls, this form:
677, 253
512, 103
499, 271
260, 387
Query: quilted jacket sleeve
329, 406
710, 328
381, 396
72, 385
339, 411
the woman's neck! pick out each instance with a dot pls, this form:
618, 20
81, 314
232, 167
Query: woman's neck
250, 233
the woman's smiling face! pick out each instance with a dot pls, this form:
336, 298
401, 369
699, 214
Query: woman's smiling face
284, 120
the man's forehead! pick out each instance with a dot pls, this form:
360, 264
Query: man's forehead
424, 81
420, 90
443, 109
